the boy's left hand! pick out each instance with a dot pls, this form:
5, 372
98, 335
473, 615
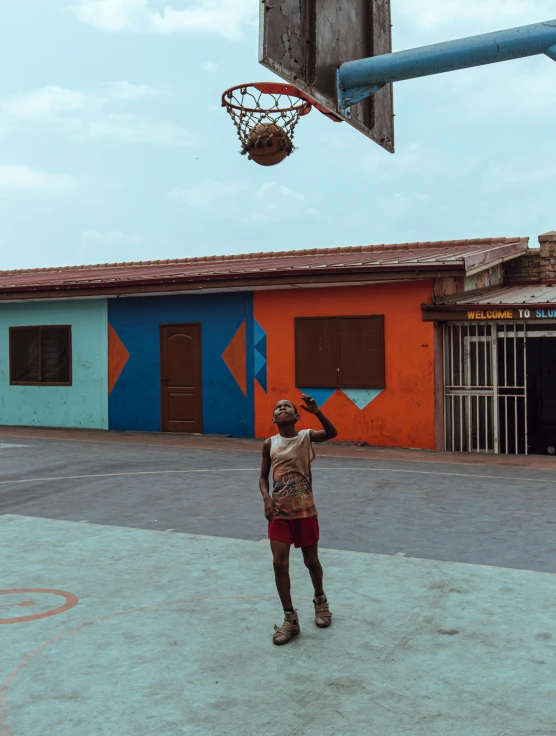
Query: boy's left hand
309, 404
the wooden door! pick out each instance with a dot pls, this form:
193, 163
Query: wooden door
180, 364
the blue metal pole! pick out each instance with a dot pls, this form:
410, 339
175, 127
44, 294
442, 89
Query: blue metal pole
362, 78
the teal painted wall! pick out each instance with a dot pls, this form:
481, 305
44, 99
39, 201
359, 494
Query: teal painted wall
85, 403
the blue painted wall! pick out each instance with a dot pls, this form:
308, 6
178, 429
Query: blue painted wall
83, 404
135, 402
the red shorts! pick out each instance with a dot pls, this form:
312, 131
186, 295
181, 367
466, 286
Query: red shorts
300, 532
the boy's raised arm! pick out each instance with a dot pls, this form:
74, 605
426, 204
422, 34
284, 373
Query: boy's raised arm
328, 431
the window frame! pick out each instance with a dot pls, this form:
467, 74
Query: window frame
14, 329
338, 317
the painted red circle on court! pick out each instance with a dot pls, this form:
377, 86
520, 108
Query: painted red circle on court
71, 600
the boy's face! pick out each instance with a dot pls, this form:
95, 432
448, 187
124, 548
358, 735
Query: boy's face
285, 413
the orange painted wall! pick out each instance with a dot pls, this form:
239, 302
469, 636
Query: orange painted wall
403, 414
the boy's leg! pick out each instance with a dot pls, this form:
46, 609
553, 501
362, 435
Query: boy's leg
281, 562
312, 563
323, 615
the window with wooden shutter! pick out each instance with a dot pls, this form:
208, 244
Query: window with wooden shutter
343, 352
361, 352
24, 355
40, 356
316, 352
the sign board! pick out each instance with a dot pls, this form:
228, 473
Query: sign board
492, 314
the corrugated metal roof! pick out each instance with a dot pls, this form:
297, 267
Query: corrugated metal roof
458, 255
510, 295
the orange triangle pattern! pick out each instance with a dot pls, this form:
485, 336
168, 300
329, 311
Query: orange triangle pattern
118, 356
235, 358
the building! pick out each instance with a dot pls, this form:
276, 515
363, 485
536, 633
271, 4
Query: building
498, 359
396, 341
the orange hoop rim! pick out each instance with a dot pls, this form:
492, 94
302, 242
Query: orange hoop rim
269, 88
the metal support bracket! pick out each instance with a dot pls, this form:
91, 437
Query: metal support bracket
357, 94
357, 80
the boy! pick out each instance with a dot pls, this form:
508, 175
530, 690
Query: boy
291, 512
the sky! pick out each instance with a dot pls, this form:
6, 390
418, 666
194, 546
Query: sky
114, 145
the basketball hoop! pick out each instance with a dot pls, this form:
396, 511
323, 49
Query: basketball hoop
265, 115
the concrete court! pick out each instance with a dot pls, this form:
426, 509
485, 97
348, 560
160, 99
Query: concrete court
481, 513
171, 633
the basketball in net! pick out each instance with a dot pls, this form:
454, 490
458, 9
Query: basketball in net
268, 144
265, 115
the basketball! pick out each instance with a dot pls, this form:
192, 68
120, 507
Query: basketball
268, 144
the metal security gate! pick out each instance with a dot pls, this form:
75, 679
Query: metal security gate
485, 392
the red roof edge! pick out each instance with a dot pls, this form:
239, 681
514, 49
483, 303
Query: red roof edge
281, 254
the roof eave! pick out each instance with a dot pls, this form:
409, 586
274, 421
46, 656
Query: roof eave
476, 262
421, 272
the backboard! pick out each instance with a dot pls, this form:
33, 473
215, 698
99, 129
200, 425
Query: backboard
305, 41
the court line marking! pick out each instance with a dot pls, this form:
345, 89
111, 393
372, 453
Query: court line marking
457, 475
7, 682
254, 470
70, 598
257, 444
139, 472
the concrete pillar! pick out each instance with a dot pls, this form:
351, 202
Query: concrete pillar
547, 243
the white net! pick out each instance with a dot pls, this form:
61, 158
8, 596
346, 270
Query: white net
263, 112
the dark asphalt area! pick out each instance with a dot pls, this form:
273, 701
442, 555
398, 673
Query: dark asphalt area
499, 516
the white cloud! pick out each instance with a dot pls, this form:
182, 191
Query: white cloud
127, 91
43, 103
108, 246
210, 66
416, 160
17, 178
497, 94
496, 177
129, 129
224, 18
53, 102
431, 14
269, 191
208, 192
96, 239
91, 115
273, 200
111, 15
520, 96
240, 201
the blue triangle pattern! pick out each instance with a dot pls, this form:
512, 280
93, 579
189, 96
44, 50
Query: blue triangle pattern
260, 377
260, 362
321, 395
258, 333
259, 355
362, 397
260, 347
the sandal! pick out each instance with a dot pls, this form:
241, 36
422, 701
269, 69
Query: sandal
323, 615
289, 629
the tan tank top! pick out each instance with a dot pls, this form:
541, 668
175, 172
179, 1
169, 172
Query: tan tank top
291, 464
